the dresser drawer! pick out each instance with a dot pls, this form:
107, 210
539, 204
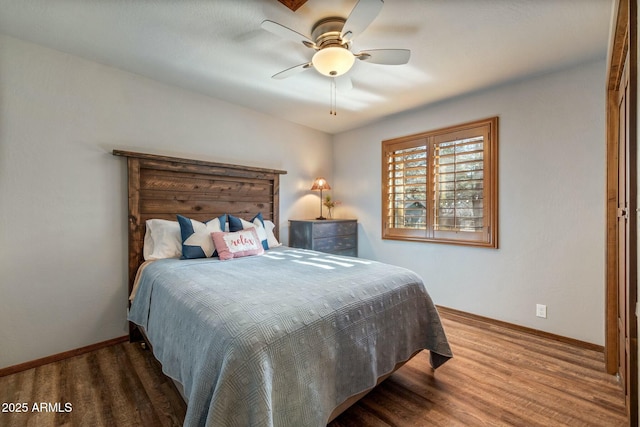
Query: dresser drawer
347, 252
330, 229
333, 244
337, 236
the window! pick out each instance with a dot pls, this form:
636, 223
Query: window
442, 185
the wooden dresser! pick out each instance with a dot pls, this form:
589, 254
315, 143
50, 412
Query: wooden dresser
334, 236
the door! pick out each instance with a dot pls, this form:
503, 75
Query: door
622, 261
623, 235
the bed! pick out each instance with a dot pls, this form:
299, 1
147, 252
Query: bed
289, 337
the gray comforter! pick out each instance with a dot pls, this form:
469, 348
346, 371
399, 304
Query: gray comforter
284, 338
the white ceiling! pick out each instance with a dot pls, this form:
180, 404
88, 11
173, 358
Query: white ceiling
216, 47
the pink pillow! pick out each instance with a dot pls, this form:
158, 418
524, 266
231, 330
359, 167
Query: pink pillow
237, 244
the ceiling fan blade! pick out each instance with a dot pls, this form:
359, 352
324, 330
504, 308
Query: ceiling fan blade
343, 83
291, 71
287, 33
385, 56
363, 14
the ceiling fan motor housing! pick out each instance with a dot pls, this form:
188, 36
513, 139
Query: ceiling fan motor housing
326, 32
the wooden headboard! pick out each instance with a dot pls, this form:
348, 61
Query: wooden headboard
161, 187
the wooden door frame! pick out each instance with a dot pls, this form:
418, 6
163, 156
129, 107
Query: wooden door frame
623, 42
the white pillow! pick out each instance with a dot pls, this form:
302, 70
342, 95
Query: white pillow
260, 230
162, 240
271, 238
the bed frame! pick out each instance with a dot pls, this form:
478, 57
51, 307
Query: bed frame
161, 187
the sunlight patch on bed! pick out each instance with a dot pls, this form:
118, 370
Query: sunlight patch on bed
303, 252
326, 267
350, 260
342, 264
294, 255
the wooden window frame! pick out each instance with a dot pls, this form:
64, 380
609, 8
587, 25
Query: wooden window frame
488, 236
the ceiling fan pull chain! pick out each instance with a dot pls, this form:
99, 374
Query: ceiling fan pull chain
331, 97
334, 105
335, 98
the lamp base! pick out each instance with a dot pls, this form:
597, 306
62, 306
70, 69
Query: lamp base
321, 218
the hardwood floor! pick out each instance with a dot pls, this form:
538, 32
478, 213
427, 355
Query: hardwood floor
498, 377
121, 385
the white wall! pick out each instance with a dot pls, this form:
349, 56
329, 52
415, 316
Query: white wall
551, 204
63, 204
63, 231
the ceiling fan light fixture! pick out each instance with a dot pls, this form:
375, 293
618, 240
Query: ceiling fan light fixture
333, 61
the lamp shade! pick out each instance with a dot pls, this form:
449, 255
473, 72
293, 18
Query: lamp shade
320, 184
333, 61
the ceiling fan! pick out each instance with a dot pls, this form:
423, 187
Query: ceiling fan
332, 38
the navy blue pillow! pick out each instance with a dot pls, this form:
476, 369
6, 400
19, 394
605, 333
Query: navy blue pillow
237, 224
196, 236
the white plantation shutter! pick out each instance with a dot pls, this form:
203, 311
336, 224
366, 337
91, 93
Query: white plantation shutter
442, 185
407, 187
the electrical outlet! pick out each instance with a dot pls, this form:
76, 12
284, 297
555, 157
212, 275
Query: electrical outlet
541, 310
